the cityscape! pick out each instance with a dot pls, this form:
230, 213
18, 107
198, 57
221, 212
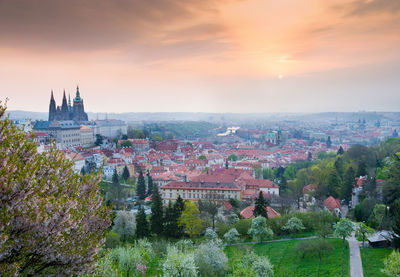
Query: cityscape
199, 139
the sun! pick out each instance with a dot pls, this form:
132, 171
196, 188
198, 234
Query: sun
280, 76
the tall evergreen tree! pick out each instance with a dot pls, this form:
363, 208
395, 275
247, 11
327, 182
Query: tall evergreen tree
115, 191
348, 183
170, 221
179, 206
142, 225
334, 184
340, 151
149, 184
260, 206
362, 169
283, 185
141, 187
329, 142
339, 166
125, 173
156, 219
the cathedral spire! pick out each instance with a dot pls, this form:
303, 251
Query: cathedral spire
69, 100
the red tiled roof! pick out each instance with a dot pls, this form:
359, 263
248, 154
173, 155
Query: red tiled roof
309, 188
248, 212
331, 203
228, 206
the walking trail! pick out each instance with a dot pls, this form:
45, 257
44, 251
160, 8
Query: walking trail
356, 269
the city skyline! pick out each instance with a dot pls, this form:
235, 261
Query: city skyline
209, 56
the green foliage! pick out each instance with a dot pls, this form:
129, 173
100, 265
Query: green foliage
231, 236
124, 225
210, 260
222, 228
363, 231
142, 225
232, 157
150, 184
259, 229
135, 133
171, 222
141, 187
190, 220
126, 143
372, 261
243, 226
125, 173
260, 206
364, 210
46, 208
294, 225
178, 263
112, 240
392, 264
202, 157
344, 228
157, 217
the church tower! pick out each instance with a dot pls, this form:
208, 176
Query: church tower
52, 107
64, 108
78, 108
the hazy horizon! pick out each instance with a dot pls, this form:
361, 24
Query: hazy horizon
227, 56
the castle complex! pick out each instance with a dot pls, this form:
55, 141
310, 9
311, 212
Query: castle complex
67, 111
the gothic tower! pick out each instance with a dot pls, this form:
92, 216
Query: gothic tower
64, 108
78, 108
52, 108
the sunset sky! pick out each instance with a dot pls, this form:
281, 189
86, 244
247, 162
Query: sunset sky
202, 56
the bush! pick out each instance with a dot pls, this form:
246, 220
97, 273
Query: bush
125, 225
392, 264
222, 228
178, 263
310, 247
231, 236
210, 259
259, 229
112, 240
243, 226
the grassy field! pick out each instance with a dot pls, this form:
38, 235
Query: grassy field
288, 262
372, 260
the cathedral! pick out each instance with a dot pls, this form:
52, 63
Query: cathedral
67, 111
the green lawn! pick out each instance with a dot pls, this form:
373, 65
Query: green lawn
288, 262
372, 260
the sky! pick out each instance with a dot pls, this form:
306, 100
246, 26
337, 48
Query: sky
238, 56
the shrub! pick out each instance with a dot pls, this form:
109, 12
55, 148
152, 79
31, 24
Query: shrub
210, 234
243, 226
125, 225
262, 267
392, 264
231, 236
259, 229
210, 259
178, 263
293, 225
112, 240
222, 228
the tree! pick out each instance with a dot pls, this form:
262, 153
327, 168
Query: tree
179, 264
210, 259
324, 224
259, 229
141, 187
46, 208
348, 183
202, 157
179, 206
363, 231
190, 220
340, 167
124, 225
170, 221
391, 189
260, 207
282, 185
328, 142
392, 264
99, 140
115, 191
211, 208
142, 225
293, 225
149, 184
340, 151
231, 236
262, 267
343, 229
395, 211
125, 173
156, 219
362, 169
232, 157
126, 143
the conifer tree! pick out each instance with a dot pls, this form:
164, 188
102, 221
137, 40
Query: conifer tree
149, 184
328, 142
260, 206
282, 185
362, 169
340, 151
141, 187
179, 205
156, 219
142, 225
125, 173
348, 182
170, 221
116, 191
